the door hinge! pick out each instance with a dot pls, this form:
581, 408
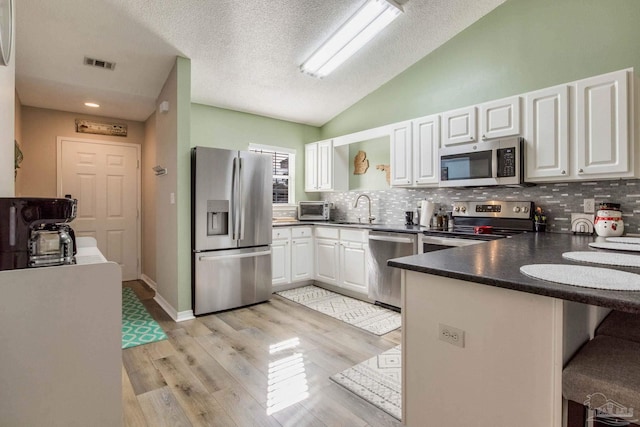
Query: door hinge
138, 263
138, 164
138, 213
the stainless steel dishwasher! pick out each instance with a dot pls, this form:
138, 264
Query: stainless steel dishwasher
384, 281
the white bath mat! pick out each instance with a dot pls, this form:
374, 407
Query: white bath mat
358, 313
587, 277
377, 380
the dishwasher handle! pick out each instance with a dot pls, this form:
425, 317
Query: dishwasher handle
391, 238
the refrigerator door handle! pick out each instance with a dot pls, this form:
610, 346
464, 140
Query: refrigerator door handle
241, 199
236, 256
234, 190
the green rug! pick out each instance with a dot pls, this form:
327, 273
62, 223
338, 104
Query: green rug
138, 327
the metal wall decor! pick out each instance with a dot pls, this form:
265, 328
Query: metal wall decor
99, 128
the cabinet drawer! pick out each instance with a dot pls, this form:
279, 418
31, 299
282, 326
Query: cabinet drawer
297, 232
281, 233
359, 236
327, 232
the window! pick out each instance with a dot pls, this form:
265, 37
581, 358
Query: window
283, 165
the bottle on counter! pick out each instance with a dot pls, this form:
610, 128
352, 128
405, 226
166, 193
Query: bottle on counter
440, 219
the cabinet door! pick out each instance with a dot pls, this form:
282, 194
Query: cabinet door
325, 165
353, 267
280, 262
301, 259
401, 155
500, 118
459, 126
326, 256
602, 137
547, 134
311, 167
426, 142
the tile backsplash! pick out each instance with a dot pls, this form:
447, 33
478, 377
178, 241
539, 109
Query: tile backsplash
558, 200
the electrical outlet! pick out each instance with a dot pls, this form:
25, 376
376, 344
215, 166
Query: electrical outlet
451, 335
589, 205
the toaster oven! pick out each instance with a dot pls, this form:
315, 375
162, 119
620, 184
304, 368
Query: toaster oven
313, 211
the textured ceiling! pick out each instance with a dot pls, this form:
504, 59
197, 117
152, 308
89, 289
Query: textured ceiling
245, 55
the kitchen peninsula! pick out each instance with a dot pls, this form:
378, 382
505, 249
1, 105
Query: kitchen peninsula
514, 333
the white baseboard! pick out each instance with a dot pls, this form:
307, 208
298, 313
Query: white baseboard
146, 279
168, 308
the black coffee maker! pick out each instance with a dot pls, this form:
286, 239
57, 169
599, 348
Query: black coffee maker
34, 232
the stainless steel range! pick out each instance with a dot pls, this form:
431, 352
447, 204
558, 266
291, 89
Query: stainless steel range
480, 221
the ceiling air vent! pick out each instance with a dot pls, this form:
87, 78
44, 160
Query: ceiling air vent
99, 63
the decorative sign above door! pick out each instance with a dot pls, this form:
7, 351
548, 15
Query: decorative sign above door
113, 129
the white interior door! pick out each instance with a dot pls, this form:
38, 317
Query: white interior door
103, 176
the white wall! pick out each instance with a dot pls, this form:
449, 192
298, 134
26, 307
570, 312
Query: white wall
7, 125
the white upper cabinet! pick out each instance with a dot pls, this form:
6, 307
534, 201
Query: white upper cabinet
459, 126
326, 167
311, 167
426, 142
500, 118
602, 126
547, 133
401, 173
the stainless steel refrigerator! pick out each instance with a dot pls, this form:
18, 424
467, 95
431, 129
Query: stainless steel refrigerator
231, 215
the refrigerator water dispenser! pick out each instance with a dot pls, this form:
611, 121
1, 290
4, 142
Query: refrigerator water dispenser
217, 217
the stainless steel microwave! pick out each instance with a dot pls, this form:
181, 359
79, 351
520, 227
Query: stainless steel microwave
313, 211
496, 162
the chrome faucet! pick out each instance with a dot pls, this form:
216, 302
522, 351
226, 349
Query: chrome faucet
371, 218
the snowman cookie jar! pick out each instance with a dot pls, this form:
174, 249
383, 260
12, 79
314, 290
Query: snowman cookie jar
609, 223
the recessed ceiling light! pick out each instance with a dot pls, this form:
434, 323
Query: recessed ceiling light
91, 104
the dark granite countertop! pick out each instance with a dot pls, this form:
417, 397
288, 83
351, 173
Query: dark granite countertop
395, 228
498, 262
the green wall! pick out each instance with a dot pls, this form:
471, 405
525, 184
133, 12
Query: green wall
522, 45
377, 152
217, 127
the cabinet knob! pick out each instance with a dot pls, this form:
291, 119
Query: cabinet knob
563, 172
484, 137
470, 138
580, 170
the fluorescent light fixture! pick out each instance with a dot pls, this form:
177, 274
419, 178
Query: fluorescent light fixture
92, 104
368, 21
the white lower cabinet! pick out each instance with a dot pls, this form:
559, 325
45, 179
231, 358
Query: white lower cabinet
353, 267
291, 255
301, 254
281, 256
327, 254
341, 258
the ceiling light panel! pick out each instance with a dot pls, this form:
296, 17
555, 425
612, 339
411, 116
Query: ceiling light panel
368, 21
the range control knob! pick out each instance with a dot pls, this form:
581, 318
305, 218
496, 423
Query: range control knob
516, 209
525, 209
456, 208
463, 209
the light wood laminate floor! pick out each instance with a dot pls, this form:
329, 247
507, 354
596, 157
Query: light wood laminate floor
264, 365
